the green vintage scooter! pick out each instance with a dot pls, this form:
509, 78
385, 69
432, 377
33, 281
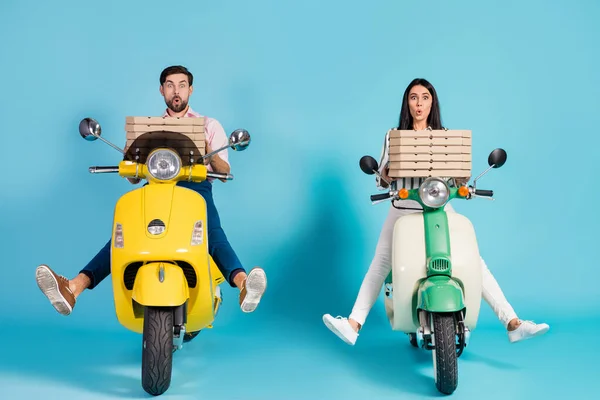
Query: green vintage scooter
433, 292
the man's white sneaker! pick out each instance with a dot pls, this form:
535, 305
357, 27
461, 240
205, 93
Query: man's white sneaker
527, 330
341, 327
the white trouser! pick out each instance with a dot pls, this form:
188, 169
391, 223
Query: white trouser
382, 265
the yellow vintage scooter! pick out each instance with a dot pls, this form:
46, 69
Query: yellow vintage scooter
164, 281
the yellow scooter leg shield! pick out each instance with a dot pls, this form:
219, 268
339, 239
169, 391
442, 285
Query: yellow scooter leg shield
160, 285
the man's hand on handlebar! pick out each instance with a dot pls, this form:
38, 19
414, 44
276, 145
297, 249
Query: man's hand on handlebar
207, 150
216, 163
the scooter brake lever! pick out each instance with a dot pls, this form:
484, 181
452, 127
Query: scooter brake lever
380, 201
482, 197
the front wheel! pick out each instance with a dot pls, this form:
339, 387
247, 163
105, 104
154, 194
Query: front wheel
157, 350
445, 365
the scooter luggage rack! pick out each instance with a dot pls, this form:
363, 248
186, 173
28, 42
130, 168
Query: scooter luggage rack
185, 135
427, 153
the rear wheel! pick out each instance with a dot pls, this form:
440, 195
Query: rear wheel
157, 350
445, 365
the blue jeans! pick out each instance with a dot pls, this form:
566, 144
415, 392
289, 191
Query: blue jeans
218, 245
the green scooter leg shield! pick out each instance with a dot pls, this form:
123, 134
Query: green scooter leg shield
439, 292
437, 242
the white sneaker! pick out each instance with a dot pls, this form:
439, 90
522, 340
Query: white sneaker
341, 327
527, 330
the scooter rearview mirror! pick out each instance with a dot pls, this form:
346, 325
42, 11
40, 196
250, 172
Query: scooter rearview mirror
497, 158
239, 140
89, 129
368, 165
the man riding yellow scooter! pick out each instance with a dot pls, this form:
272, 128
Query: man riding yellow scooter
168, 254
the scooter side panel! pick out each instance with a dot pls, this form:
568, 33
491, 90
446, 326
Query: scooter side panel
409, 268
179, 208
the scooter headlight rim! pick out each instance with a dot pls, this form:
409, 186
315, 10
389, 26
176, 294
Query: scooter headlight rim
434, 192
163, 164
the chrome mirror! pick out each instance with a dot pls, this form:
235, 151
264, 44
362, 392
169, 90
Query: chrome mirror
239, 140
89, 129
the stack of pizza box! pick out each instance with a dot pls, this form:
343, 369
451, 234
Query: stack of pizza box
427, 153
163, 128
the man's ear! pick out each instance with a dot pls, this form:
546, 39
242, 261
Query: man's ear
162, 92
191, 90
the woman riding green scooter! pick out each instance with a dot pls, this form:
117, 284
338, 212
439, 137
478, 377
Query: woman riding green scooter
420, 110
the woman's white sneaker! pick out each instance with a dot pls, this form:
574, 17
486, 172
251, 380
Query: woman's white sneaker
527, 330
341, 327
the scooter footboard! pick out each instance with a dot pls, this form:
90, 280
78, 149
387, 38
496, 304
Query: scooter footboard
410, 269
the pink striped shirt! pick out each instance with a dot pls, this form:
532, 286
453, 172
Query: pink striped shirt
214, 132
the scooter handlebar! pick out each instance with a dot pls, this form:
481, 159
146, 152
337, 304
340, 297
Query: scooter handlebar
103, 170
218, 175
483, 193
475, 192
382, 196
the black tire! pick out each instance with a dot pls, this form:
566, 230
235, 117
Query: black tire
413, 339
157, 350
444, 354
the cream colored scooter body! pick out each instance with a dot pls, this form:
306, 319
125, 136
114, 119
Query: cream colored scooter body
409, 269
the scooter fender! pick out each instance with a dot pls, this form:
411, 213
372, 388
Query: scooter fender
440, 294
160, 284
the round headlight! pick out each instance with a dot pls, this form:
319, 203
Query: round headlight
163, 164
434, 192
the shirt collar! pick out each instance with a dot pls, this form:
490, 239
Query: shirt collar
190, 113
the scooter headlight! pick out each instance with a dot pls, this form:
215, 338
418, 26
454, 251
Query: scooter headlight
434, 192
163, 164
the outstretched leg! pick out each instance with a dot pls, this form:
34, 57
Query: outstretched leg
252, 285
63, 293
517, 329
347, 328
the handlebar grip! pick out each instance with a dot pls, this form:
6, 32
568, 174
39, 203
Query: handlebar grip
218, 175
485, 193
100, 170
383, 196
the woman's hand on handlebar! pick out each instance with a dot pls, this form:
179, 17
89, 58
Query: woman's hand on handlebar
385, 176
461, 181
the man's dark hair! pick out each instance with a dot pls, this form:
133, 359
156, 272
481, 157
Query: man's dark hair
176, 69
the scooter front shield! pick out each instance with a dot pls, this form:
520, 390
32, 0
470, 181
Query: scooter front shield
409, 269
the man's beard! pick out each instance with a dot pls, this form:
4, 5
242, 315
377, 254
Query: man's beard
179, 107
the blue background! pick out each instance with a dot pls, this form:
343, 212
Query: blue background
317, 84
